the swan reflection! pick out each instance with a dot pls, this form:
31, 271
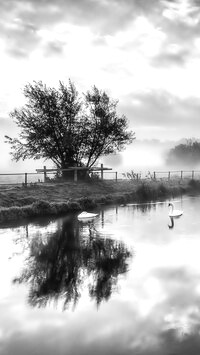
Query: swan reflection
171, 225
60, 263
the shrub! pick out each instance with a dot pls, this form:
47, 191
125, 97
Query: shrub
87, 202
61, 207
145, 192
162, 189
74, 206
41, 208
194, 184
101, 200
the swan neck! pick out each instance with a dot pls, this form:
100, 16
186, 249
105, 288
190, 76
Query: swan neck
172, 207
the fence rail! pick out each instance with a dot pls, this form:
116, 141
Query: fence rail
42, 175
20, 178
74, 170
176, 173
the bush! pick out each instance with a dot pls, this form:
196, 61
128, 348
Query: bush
41, 208
162, 189
145, 192
62, 207
74, 206
87, 202
101, 200
194, 184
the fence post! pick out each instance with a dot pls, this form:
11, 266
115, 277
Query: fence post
169, 175
102, 171
75, 175
192, 174
115, 175
181, 174
45, 173
26, 180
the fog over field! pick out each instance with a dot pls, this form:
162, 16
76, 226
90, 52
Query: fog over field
142, 156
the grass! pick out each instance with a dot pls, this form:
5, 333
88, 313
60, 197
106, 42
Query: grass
55, 199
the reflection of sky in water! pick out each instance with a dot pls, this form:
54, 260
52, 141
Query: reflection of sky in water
154, 308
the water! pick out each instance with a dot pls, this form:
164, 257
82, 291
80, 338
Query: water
126, 283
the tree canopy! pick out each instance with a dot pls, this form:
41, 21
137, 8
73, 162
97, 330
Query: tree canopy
185, 154
69, 129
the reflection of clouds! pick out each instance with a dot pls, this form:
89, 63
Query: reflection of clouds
164, 284
152, 295
181, 288
166, 306
155, 312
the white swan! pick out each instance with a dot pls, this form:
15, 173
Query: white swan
86, 215
173, 212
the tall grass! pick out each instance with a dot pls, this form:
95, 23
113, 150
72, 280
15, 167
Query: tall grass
146, 192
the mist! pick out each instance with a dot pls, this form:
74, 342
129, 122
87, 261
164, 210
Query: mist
8, 127
144, 156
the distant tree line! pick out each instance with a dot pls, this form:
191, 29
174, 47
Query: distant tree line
185, 154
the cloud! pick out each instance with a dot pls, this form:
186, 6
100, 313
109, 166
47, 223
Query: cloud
22, 20
172, 56
20, 37
54, 48
181, 22
105, 14
160, 110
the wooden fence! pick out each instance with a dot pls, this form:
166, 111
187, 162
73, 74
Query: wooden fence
94, 170
160, 175
42, 175
20, 178
178, 174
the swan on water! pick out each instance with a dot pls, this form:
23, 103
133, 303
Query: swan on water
87, 215
173, 212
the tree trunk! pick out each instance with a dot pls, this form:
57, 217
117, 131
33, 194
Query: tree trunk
69, 175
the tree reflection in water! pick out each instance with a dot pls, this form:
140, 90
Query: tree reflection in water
59, 264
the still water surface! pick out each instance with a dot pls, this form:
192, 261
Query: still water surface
126, 283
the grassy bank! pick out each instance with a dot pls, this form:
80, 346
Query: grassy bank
55, 199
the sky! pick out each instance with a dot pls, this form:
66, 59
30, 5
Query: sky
144, 53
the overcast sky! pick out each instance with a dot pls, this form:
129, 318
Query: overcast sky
145, 53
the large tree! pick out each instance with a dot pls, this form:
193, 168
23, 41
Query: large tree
70, 130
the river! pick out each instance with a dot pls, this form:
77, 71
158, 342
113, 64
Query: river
127, 282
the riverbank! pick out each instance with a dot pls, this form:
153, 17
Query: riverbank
56, 199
